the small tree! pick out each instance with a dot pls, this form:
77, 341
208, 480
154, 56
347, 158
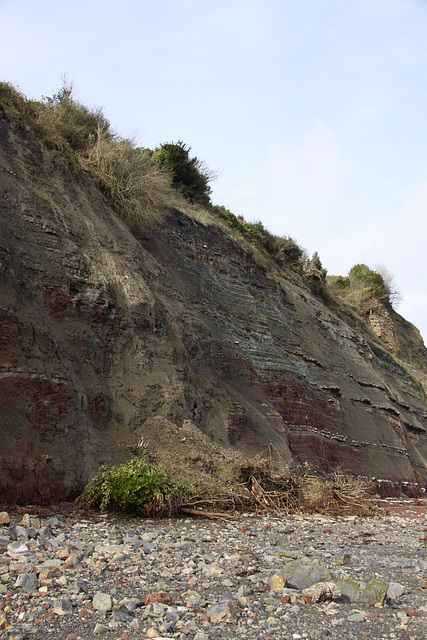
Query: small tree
190, 175
364, 285
315, 275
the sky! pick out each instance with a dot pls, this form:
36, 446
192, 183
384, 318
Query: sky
313, 112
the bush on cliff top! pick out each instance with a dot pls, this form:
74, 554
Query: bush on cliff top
284, 251
363, 286
190, 175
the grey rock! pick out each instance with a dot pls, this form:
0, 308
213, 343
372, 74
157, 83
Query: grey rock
356, 617
395, 590
26, 616
294, 609
100, 629
304, 572
121, 616
4, 542
27, 582
172, 616
154, 610
222, 612
21, 532
193, 601
244, 590
62, 607
127, 605
26, 520
17, 548
52, 522
375, 591
350, 589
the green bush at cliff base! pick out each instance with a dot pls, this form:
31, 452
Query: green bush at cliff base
137, 487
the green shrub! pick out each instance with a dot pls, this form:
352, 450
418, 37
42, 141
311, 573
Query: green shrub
135, 486
288, 251
377, 287
372, 283
284, 251
139, 188
362, 286
342, 283
359, 272
190, 175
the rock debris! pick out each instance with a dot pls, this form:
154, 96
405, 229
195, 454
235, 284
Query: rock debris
76, 575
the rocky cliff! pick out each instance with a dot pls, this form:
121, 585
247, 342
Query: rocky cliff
177, 335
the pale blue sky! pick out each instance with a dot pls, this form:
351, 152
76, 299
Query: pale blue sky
314, 111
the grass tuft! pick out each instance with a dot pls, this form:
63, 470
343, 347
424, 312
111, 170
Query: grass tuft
140, 190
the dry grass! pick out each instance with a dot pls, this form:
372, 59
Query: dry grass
261, 488
140, 191
338, 493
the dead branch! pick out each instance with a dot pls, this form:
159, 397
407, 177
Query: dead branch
208, 514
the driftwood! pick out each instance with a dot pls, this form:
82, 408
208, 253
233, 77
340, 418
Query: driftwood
208, 514
262, 496
320, 592
267, 492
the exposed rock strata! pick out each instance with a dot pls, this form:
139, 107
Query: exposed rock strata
105, 336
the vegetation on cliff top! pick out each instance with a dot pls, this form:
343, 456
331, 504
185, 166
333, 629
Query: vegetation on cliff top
143, 184
363, 286
189, 175
138, 188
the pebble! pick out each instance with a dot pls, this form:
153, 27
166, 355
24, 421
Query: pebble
102, 602
86, 574
395, 590
356, 617
27, 582
62, 607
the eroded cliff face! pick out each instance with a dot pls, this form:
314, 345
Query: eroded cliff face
173, 334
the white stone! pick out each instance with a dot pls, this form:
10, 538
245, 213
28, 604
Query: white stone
102, 602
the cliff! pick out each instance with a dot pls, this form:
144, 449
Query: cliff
175, 333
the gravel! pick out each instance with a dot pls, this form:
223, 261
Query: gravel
75, 575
